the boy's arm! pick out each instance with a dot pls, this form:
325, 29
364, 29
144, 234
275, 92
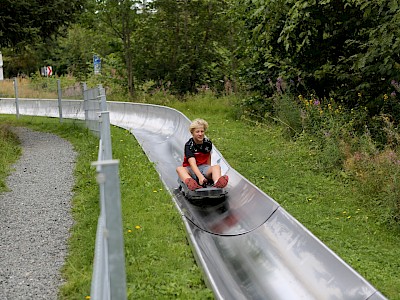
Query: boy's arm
195, 169
209, 160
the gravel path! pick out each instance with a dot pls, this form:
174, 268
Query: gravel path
35, 217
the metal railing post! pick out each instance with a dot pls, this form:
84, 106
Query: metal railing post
112, 235
108, 278
105, 135
103, 100
59, 99
85, 101
116, 257
16, 96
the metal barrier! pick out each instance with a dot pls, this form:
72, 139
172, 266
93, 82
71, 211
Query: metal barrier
108, 280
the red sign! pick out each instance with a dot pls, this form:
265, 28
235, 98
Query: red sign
49, 71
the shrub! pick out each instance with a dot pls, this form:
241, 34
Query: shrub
376, 167
255, 107
366, 149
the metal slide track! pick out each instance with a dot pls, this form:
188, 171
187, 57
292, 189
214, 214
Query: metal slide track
247, 246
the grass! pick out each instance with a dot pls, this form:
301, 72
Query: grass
9, 153
158, 260
41, 87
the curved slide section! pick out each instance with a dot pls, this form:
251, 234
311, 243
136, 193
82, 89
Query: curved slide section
248, 246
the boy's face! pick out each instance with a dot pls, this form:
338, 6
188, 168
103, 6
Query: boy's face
198, 135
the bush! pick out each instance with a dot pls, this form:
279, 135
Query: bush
255, 107
350, 143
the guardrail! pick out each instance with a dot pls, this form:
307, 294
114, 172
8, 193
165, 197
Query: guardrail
108, 277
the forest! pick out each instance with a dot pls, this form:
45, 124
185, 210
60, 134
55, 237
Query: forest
342, 49
327, 69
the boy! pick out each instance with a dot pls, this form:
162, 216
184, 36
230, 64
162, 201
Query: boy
196, 169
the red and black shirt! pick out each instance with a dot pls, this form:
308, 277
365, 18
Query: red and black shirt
201, 152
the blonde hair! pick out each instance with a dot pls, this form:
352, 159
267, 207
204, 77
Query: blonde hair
198, 123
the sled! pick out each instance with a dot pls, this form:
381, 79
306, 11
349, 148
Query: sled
206, 192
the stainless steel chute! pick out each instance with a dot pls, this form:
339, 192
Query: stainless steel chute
248, 246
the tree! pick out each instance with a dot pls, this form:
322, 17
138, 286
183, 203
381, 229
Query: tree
180, 42
73, 54
190, 43
28, 20
338, 48
376, 63
120, 20
21, 60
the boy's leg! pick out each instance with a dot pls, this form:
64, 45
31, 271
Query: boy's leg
219, 181
222, 182
183, 173
185, 176
214, 172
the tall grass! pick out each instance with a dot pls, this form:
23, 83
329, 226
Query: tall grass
348, 144
9, 153
41, 87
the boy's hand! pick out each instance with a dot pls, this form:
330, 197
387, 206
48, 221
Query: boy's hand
202, 180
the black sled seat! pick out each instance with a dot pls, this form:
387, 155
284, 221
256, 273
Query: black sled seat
208, 192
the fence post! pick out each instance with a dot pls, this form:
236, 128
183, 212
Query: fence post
85, 101
59, 100
105, 135
108, 277
16, 96
100, 286
103, 101
116, 255
112, 233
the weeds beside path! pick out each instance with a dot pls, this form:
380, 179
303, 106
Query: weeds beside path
9, 153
